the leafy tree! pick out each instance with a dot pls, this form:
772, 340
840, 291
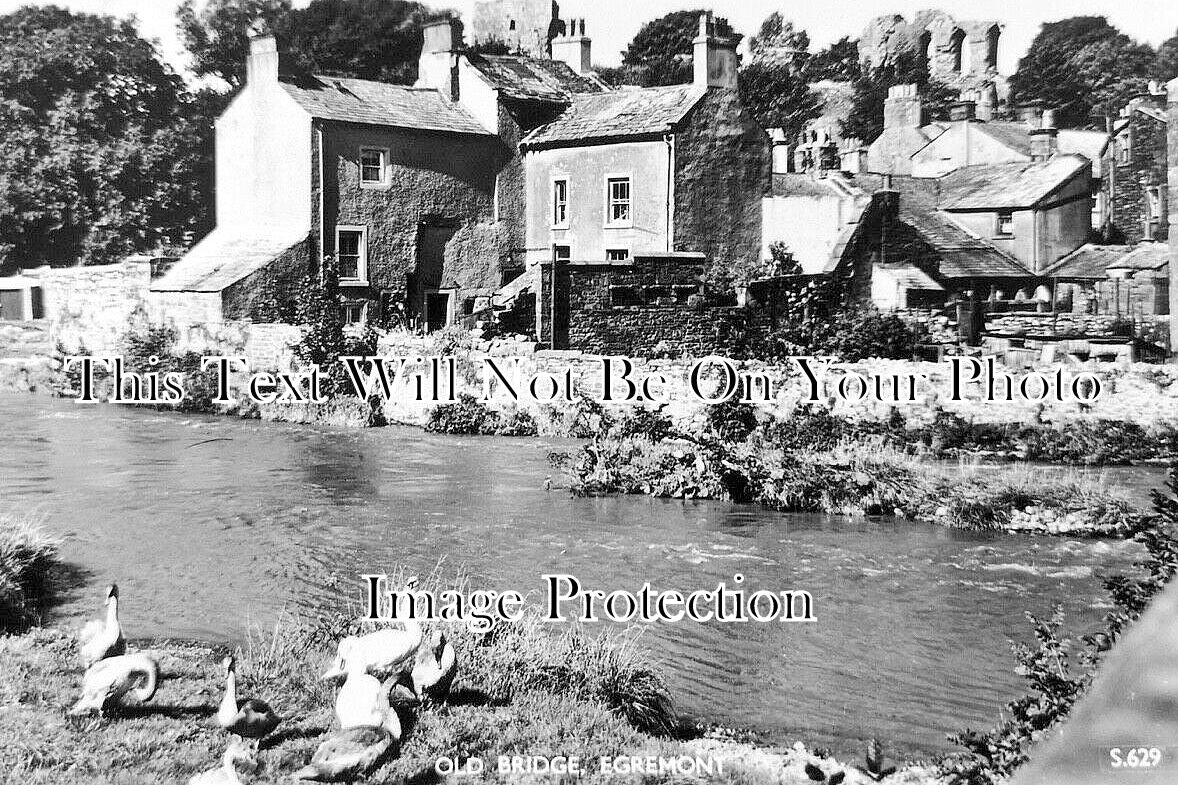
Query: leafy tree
778, 33
1082, 67
217, 36
1166, 65
97, 159
366, 39
661, 51
865, 120
838, 62
778, 96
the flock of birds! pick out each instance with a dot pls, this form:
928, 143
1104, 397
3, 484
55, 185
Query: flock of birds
367, 668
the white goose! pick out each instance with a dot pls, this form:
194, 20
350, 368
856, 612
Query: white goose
383, 653
364, 702
347, 755
434, 670
226, 773
102, 638
108, 681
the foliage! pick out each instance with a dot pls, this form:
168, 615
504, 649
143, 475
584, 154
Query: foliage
778, 95
1082, 67
779, 33
731, 420
1055, 685
661, 51
217, 35
471, 417
838, 62
1165, 65
644, 423
27, 557
865, 118
103, 152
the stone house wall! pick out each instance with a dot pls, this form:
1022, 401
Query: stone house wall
1126, 184
723, 170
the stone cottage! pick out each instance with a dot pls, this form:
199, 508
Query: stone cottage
397, 183
1135, 165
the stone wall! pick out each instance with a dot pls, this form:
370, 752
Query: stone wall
525, 25
1125, 184
90, 307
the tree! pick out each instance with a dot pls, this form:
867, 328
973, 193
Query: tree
96, 159
217, 36
1083, 68
838, 62
661, 52
366, 39
865, 120
1166, 64
777, 34
778, 96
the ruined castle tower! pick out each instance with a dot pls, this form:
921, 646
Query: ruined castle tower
525, 25
962, 54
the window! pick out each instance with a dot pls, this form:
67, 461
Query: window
372, 166
1153, 197
617, 254
560, 204
1123, 149
352, 253
563, 253
1005, 223
618, 208
352, 312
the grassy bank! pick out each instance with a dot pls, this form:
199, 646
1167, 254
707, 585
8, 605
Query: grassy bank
524, 690
27, 557
856, 480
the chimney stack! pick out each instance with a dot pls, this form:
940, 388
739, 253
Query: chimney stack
1045, 138
261, 65
574, 48
963, 111
437, 67
902, 108
715, 54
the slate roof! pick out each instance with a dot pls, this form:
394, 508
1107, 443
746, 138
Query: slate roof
1015, 185
380, 103
1017, 137
1146, 256
617, 114
1089, 261
528, 79
959, 252
912, 277
226, 255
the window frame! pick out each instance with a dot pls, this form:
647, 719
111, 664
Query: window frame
347, 304
610, 180
564, 222
626, 251
998, 222
361, 278
556, 253
384, 167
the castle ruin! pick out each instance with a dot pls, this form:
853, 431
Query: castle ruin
526, 26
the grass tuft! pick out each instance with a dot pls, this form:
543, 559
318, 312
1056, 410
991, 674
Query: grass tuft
27, 558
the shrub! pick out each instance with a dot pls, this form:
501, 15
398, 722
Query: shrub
731, 420
644, 423
27, 556
468, 417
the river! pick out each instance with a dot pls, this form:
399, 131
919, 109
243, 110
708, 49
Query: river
210, 525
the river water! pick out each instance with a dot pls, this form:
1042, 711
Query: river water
210, 525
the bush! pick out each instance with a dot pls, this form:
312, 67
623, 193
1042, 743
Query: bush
643, 423
468, 417
27, 557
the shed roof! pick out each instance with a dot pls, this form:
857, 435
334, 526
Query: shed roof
911, 277
617, 114
1090, 261
1146, 256
226, 255
380, 103
1015, 185
529, 79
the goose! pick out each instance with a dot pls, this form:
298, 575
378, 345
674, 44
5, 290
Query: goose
348, 754
102, 638
226, 773
106, 682
383, 653
364, 702
247, 718
434, 670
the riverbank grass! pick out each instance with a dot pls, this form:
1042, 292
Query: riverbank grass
27, 556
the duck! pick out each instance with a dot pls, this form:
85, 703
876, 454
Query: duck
383, 653
102, 638
348, 754
108, 681
226, 773
245, 718
434, 670
364, 702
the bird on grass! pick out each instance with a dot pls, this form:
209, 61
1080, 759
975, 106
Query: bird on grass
226, 773
383, 653
108, 681
246, 718
102, 638
348, 755
434, 670
364, 702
